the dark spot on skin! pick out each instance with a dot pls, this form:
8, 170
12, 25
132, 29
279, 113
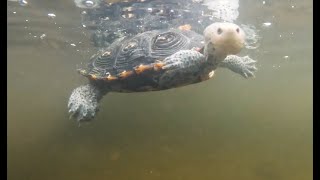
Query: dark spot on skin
210, 46
238, 30
219, 31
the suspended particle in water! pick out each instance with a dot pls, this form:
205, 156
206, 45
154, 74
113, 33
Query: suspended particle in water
51, 15
292, 6
27, 20
23, 2
84, 12
43, 36
14, 12
286, 57
263, 2
267, 24
73, 45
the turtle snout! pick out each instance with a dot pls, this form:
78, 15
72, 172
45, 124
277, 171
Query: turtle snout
233, 40
227, 38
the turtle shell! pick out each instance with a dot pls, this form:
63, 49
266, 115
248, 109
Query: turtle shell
134, 60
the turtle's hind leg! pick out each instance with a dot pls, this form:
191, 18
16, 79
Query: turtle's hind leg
84, 102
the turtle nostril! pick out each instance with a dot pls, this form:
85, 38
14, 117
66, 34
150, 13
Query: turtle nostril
219, 31
238, 30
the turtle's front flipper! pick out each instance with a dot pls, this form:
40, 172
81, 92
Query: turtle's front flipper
245, 66
184, 59
181, 68
84, 102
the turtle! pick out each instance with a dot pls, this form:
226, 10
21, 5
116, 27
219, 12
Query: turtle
159, 60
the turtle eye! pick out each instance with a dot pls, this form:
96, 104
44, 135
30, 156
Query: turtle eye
238, 30
219, 31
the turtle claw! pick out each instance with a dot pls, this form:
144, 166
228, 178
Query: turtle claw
248, 74
83, 103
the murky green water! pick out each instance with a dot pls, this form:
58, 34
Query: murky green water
227, 128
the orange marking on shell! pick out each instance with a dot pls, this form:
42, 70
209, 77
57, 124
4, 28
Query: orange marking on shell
141, 68
158, 66
92, 76
125, 74
186, 27
111, 78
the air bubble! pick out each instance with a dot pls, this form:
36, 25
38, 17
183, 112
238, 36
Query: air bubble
43, 36
51, 15
266, 24
88, 3
23, 2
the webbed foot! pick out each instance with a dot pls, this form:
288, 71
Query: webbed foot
84, 103
245, 66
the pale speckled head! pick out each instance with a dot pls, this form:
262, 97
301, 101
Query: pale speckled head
223, 39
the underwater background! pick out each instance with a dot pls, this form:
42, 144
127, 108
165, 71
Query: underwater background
227, 128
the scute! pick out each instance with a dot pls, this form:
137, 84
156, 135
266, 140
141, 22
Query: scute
167, 43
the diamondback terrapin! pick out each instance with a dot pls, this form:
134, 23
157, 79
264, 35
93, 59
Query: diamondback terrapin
159, 60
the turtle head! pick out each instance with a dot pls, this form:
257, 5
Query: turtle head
223, 39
